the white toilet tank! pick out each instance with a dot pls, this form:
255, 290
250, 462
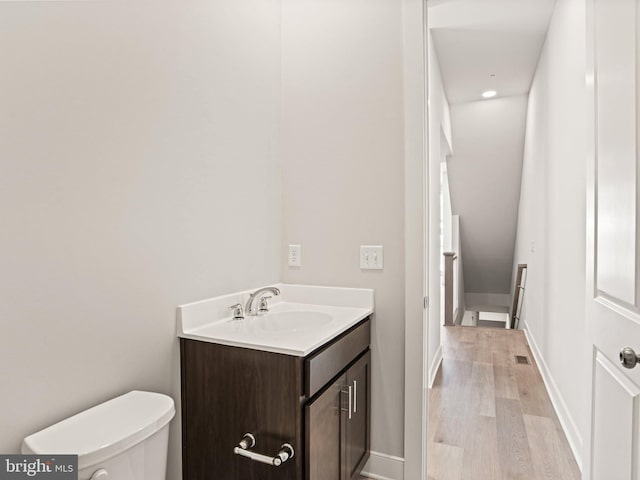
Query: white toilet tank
125, 438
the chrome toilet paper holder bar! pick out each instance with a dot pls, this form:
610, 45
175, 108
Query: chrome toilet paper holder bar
249, 441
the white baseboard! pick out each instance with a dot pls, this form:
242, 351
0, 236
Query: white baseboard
433, 370
384, 467
566, 420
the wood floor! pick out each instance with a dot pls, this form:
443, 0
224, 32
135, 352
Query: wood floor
491, 418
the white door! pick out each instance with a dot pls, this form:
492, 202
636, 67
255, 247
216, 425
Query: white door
612, 444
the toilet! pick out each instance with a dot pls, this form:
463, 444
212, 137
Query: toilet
125, 438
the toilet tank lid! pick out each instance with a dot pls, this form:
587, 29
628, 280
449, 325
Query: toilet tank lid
105, 430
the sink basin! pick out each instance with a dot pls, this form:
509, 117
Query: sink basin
300, 320
296, 321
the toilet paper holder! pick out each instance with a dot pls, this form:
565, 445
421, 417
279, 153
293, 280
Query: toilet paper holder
249, 441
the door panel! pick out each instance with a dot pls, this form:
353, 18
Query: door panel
616, 148
358, 377
611, 448
614, 437
325, 434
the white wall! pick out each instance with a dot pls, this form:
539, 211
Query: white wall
447, 218
451, 237
138, 171
439, 147
484, 178
343, 175
551, 222
447, 237
458, 271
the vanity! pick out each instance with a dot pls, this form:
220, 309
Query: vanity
283, 394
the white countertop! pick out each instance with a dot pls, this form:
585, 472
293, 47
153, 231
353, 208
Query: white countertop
335, 309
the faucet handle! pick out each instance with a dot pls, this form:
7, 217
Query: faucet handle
264, 304
238, 311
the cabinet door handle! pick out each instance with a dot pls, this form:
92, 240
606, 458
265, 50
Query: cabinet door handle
355, 396
348, 391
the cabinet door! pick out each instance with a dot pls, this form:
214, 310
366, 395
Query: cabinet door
325, 434
358, 421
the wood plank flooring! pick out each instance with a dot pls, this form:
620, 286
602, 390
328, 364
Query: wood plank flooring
490, 418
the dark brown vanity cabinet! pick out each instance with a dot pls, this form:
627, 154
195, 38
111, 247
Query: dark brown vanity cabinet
358, 435
337, 425
326, 434
304, 401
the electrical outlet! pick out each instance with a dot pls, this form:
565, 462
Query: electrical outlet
295, 260
371, 257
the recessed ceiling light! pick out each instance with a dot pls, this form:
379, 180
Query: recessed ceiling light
489, 93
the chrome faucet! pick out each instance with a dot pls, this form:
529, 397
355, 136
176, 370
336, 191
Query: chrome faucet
258, 294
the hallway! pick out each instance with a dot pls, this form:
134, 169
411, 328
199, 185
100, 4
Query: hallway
491, 418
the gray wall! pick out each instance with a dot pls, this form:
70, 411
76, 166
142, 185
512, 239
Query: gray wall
138, 170
484, 179
343, 176
552, 215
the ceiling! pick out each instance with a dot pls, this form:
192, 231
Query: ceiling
476, 38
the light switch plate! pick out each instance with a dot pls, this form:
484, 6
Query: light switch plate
295, 259
371, 257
